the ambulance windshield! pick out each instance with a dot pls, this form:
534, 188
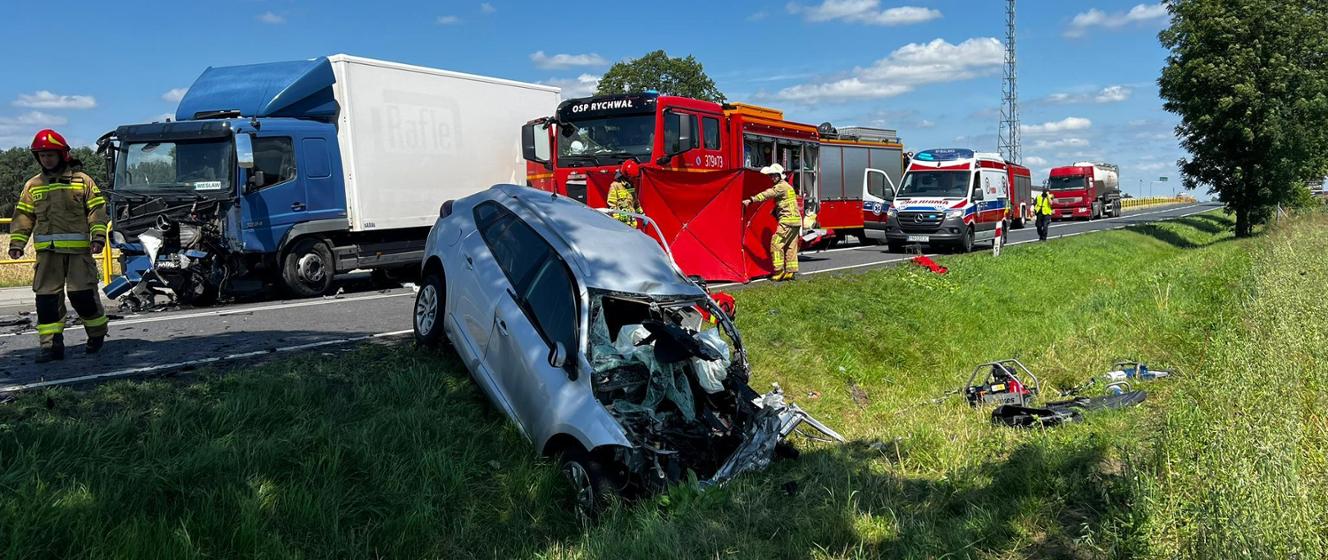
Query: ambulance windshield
607, 140
935, 184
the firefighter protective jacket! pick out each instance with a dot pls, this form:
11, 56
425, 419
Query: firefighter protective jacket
622, 197
1042, 205
786, 203
61, 212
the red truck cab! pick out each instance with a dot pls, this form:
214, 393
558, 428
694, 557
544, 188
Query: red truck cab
1085, 190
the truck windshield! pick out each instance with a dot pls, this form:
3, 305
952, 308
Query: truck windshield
608, 140
183, 166
939, 184
1066, 183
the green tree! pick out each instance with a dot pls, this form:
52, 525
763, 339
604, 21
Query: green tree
1249, 80
657, 71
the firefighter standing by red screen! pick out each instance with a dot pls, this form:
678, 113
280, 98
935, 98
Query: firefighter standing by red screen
784, 243
622, 192
64, 215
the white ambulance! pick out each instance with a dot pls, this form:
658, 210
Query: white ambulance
951, 198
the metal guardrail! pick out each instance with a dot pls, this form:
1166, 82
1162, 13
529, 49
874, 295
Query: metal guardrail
107, 255
1153, 201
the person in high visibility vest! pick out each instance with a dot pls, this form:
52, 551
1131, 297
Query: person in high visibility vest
1042, 209
784, 243
622, 192
64, 215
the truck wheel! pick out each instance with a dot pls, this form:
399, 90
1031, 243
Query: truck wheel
308, 269
429, 306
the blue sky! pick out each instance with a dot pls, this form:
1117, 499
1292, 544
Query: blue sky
928, 68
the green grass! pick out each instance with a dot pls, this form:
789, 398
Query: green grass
385, 451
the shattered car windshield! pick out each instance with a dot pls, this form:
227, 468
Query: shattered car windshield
160, 167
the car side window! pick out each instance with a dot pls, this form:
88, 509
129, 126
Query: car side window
551, 300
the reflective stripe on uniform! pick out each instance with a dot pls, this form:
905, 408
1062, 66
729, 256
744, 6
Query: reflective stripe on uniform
95, 202
50, 328
96, 322
26, 208
18, 238
62, 237
62, 245
97, 228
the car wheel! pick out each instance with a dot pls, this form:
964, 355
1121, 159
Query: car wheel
590, 486
308, 269
429, 311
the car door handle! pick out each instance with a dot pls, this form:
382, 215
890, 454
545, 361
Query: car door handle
297, 206
502, 327
470, 263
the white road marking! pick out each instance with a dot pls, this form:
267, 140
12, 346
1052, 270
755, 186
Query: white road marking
201, 361
232, 311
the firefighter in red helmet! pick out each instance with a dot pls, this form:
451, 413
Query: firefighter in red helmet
622, 192
64, 215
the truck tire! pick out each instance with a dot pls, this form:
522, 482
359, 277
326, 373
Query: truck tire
1021, 221
428, 316
308, 269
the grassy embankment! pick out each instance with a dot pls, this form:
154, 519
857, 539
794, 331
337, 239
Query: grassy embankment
385, 451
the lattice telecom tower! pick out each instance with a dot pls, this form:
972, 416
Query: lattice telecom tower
1007, 141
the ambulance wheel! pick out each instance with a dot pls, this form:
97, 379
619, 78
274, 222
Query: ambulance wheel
966, 244
307, 269
896, 247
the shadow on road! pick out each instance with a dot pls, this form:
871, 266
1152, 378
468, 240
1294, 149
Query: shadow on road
125, 351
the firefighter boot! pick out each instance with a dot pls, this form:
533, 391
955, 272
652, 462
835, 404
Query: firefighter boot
94, 344
54, 351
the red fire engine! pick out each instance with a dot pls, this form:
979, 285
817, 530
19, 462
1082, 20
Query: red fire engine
699, 161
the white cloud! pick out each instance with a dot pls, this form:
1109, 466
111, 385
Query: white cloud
1054, 127
758, 16
29, 123
1062, 143
1034, 160
487, 8
1109, 94
1113, 94
271, 18
1157, 166
560, 61
46, 100
580, 86
905, 69
1095, 18
924, 123
864, 11
174, 95
447, 20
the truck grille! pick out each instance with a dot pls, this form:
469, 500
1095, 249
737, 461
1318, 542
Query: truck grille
921, 222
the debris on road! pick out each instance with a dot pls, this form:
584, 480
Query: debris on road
929, 264
1013, 387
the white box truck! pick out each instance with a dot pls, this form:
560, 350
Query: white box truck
290, 173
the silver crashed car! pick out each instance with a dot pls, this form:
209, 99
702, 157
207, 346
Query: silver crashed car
585, 333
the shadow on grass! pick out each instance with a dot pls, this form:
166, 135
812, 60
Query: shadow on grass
390, 452
1170, 236
858, 501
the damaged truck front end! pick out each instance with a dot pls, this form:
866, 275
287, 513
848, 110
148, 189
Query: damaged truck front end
674, 375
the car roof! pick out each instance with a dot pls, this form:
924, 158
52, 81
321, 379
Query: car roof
607, 254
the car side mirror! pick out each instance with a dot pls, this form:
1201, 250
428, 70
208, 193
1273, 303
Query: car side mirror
244, 150
255, 181
558, 355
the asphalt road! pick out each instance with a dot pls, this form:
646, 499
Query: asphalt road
157, 343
